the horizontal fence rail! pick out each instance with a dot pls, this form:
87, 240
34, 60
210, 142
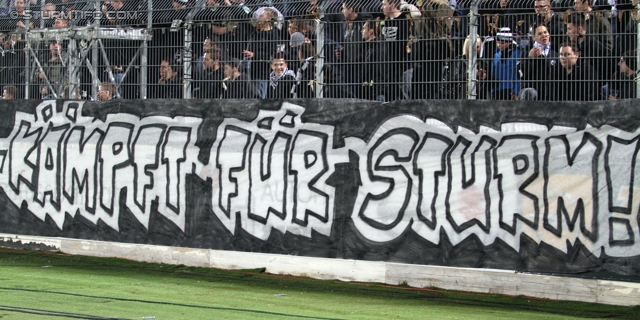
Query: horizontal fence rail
361, 49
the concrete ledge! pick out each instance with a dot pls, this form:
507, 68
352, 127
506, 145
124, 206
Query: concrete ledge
462, 279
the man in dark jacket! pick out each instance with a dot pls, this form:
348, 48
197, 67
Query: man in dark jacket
375, 75
576, 80
237, 84
624, 87
396, 33
208, 84
350, 53
261, 46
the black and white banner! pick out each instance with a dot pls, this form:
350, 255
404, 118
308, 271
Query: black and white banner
543, 188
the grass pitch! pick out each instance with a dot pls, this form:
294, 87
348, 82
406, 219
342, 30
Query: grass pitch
37, 285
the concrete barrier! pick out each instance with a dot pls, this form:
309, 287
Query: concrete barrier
463, 279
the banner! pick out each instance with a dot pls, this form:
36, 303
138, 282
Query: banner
484, 184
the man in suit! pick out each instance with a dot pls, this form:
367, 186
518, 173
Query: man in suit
537, 64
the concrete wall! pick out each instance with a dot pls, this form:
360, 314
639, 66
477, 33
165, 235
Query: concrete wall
463, 279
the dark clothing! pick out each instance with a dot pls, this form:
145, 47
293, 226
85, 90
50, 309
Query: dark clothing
283, 87
455, 82
240, 88
625, 85
592, 51
305, 80
263, 44
208, 85
555, 26
170, 89
375, 72
536, 71
598, 25
396, 35
579, 85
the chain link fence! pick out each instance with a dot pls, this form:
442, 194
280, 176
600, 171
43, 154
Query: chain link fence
356, 49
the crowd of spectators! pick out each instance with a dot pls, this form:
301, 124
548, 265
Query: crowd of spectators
381, 50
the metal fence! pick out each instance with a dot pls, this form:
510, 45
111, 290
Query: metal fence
364, 49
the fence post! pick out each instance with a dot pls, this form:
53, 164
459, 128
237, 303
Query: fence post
473, 54
186, 60
320, 50
145, 52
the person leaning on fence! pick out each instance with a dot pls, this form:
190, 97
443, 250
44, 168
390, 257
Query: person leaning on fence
375, 73
624, 87
538, 60
576, 79
106, 91
237, 84
305, 75
281, 80
505, 72
9, 93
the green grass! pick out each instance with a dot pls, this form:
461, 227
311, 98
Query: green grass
36, 285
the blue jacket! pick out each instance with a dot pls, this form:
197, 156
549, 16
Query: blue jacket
505, 72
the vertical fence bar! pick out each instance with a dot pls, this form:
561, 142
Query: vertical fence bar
186, 59
320, 51
473, 54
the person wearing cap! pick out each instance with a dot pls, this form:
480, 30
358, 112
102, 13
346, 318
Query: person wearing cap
291, 54
505, 70
624, 87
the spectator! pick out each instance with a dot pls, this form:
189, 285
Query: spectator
291, 54
45, 94
596, 23
206, 46
49, 15
122, 13
281, 79
433, 50
54, 69
375, 73
262, 44
505, 67
455, 84
208, 85
305, 76
592, 51
537, 64
545, 15
170, 83
576, 80
625, 85
106, 91
9, 93
396, 33
350, 53
237, 84
60, 23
